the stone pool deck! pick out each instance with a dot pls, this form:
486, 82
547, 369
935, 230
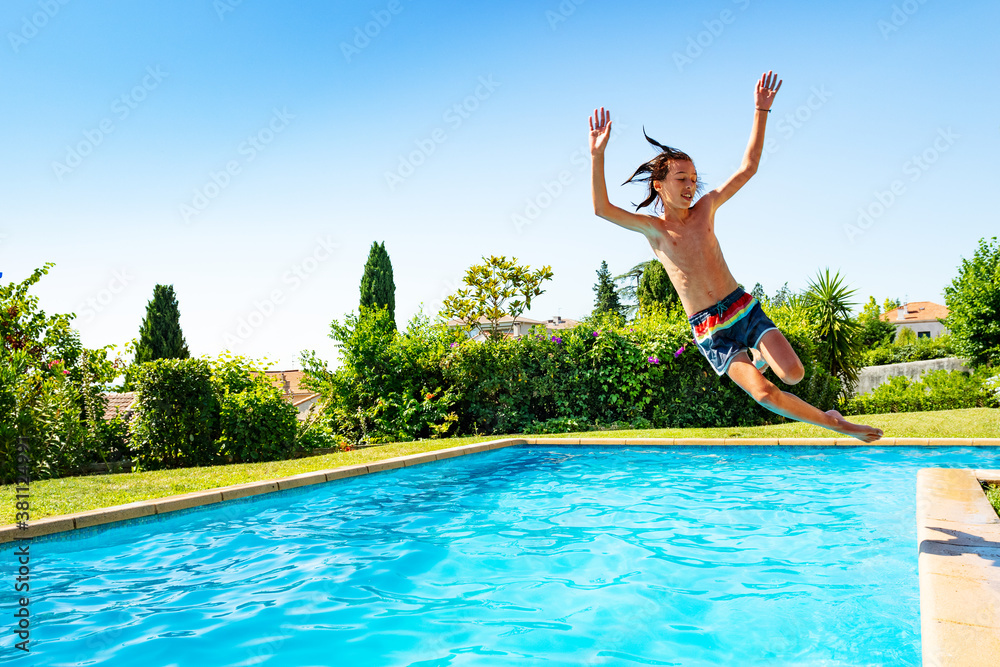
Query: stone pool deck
958, 532
958, 537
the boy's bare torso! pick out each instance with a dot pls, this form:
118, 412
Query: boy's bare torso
692, 257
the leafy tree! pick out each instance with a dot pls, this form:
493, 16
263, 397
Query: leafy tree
160, 336
875, 332
23, 326
891, 304
655, 287
377, 287
607, 297
50, 387
839, 345
905, 336
627, 293
388, 385
782, 297
758, 293
973, 301
491, 286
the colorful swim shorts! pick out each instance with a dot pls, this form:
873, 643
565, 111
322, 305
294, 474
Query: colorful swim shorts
729, 327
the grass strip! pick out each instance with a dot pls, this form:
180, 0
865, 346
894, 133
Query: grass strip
993, 495
77, 494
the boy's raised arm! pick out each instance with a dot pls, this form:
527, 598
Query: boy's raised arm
600, 133
767, 88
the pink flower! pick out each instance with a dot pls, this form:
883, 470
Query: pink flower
454, 344
596, 334
653, 360
65, 372
556, 339
679, 352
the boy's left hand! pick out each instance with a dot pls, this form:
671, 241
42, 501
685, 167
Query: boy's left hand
767, 88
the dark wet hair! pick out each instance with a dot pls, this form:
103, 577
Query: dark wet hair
657, 168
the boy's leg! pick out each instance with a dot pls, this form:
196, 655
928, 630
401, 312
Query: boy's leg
780, 356
741, 370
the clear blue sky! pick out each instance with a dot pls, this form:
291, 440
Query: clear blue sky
241, 150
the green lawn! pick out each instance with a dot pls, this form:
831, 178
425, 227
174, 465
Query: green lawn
77, 494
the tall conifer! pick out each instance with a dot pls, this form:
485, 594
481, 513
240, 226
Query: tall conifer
607, 296
160, 336
377, 286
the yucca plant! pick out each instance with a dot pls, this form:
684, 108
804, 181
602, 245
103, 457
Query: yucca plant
839, 346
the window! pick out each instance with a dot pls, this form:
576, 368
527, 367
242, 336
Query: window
923, 334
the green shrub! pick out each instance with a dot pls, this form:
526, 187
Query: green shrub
920, 349
316, 434
428, 379
176, 414
390, 385
936, 390
257, 425
560, 425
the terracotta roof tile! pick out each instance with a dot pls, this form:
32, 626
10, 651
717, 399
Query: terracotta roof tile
118, 403
917, 311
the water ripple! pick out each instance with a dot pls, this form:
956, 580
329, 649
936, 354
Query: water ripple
525, 555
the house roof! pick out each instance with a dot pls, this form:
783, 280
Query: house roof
506, 319
561, 323
290, 384
916, 311
553, 323
118, 403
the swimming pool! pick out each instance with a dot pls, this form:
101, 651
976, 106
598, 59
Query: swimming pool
528, 555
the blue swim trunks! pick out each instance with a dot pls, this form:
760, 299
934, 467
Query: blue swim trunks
729, 327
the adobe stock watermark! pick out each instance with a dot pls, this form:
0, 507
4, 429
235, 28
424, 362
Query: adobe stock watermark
714, 28
794, 120
92, 306
550, 190
914, 169
121, 108
561, 13
292, 279
247, 150
363, 35
454, 116
223, 7
31, 25
450, 287
900, 14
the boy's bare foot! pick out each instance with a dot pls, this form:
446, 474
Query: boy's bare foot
859, 431
758, 360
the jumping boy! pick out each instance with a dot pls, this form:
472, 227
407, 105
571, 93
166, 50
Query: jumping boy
726, 321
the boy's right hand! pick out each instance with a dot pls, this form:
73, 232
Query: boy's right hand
600, 131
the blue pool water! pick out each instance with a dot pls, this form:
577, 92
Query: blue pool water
525, 555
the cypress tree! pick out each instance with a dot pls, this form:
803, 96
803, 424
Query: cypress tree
607, 296
160, 336
655, 286
377, 286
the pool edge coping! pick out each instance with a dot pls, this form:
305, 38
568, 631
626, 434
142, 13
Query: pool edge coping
958, 546
142, 508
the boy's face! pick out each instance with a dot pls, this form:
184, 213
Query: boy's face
679, 186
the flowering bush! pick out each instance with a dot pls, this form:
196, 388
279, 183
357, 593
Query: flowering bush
599, 372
